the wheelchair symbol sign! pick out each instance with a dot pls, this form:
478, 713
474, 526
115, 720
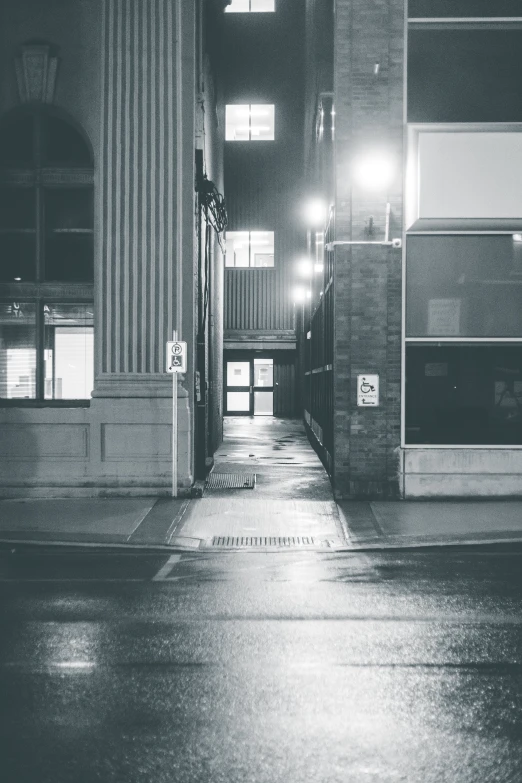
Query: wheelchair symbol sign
367, 390
177, 356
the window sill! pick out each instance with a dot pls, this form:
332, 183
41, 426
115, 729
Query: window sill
26, 403
248, 268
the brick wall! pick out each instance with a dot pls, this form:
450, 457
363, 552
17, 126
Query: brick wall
369, 115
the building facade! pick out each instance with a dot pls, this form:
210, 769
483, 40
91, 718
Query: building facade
413, 141
263, 82
123, 123
111, 175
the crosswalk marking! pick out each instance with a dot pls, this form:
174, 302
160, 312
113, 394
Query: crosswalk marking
165, 569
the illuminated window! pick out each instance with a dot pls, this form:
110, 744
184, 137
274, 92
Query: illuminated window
249, 249
250, 122
46, 351
46, 237
247, 6
469, 174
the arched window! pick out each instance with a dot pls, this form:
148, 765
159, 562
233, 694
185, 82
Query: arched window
46, 200
46, 257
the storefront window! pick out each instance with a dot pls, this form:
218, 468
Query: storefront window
68, 352
464, 286
46, 351
464, 394
17, 350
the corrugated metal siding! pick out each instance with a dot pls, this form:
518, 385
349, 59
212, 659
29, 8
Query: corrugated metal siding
258, 187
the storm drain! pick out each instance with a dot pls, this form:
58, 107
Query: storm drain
235, 542
231, 481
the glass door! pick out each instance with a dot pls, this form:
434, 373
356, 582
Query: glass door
249, 387
239, 388
263, 387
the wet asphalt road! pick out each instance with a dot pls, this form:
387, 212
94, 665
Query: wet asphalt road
294, 667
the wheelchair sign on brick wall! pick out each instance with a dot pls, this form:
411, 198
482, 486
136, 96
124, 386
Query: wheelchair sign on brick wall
367, 390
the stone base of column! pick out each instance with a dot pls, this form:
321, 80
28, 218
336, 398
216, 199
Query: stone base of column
120, 446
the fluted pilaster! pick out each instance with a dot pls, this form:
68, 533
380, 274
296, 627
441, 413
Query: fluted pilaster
138, 191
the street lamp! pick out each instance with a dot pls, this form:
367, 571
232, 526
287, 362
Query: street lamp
315, 212
305, 267
374, 171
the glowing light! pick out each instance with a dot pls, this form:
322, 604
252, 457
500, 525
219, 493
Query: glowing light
305, 267
318, 268
315, 212
75, 665
299, 294
516, 238
375, 171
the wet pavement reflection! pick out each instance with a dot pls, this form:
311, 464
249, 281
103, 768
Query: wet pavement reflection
297, 666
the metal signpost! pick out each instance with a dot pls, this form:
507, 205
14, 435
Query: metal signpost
176, 363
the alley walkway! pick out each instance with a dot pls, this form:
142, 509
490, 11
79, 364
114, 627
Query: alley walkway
291, 504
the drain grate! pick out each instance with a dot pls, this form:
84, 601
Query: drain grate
231, 481
236, 542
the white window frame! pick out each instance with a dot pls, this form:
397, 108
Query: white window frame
250, 265
411, 203
230, 10
250, 106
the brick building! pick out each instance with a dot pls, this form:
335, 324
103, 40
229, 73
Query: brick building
413, 144
123, 122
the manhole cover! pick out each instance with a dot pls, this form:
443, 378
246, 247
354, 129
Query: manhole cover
231, 481
236, 542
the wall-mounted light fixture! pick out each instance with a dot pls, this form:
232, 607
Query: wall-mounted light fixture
305, 267
300, 294
315, 212
374, 170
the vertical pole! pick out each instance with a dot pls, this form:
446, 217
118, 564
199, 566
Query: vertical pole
175, 427
387, 226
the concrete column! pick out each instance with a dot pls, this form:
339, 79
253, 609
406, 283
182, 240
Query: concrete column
145, 228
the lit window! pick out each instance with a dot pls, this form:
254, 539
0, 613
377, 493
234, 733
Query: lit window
250, 249
68, 352
254, 6
470, 175
51, 363
250, 122
46, 236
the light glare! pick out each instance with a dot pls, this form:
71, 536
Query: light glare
299, 294
374, 171
315, 212
305, 267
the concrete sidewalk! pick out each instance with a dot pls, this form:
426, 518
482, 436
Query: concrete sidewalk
291, 506
193, 524
128, 522
399, 524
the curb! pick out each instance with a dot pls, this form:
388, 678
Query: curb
179, 544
